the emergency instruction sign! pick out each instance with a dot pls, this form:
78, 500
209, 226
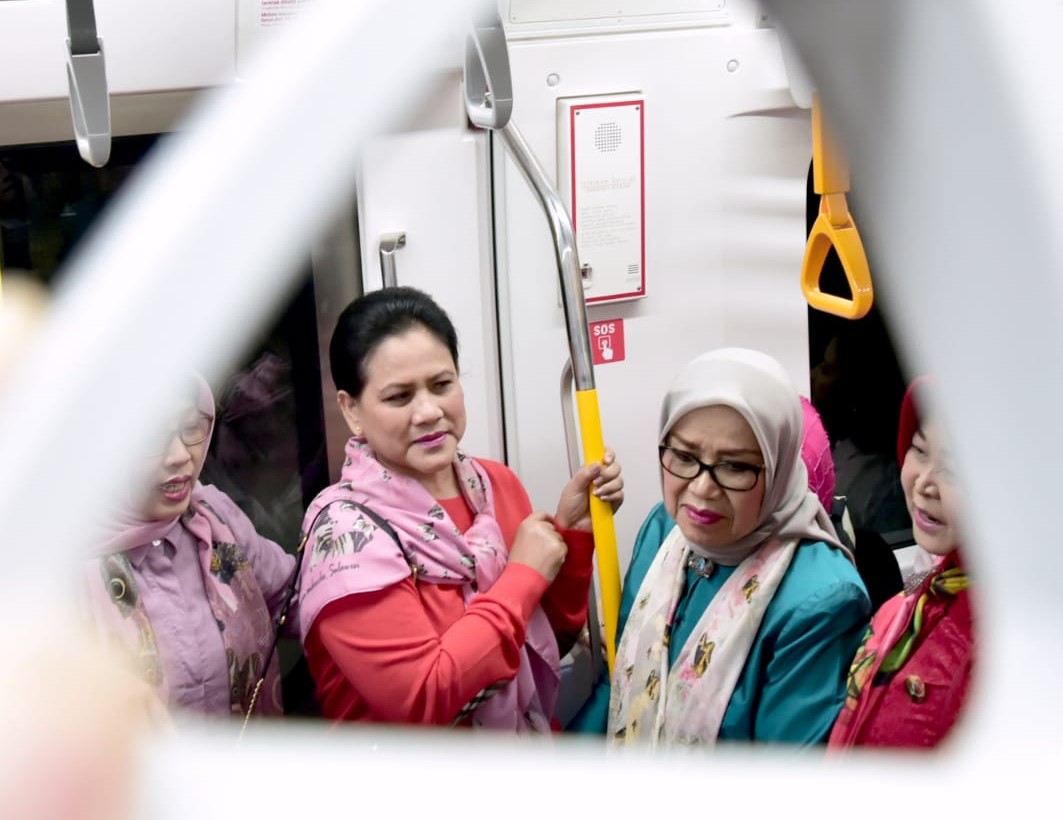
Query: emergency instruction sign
607, 341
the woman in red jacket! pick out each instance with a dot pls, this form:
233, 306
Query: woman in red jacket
431, 593
910, 677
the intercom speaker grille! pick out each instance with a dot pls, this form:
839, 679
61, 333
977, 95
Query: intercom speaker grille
607, 137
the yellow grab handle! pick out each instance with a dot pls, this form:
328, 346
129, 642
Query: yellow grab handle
834, 227
850, 249
601, 522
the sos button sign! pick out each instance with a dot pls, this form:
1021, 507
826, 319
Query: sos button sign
607, 341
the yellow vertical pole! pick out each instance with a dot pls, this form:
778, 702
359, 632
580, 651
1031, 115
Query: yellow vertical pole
601, 522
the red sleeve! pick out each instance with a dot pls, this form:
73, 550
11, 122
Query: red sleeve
565, 602
408, 670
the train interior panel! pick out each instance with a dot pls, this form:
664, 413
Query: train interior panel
694, 163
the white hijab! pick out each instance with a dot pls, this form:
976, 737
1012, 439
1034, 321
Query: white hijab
757, 386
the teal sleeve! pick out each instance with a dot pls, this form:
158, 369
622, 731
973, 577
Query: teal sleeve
805, 683
594, 716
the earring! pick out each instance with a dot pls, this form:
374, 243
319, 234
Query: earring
357, 431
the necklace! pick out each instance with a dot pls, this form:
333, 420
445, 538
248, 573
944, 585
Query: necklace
701, 565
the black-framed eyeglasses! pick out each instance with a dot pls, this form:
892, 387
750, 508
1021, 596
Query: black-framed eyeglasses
731, 475
191, 433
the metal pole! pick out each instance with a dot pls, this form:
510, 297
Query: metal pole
582, 367
572, 301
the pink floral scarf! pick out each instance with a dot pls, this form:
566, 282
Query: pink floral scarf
348, 554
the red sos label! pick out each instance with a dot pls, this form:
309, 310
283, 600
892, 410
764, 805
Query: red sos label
607, 341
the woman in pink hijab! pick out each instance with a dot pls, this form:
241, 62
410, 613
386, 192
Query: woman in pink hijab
185, 582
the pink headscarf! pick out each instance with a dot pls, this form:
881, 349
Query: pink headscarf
815, 452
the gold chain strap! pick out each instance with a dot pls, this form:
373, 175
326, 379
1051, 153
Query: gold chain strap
251, 707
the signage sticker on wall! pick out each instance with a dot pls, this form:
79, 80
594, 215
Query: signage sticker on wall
607, 341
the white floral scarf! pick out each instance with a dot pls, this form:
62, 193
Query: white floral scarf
684, 705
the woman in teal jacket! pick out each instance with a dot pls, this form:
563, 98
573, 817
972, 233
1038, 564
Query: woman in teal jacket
741, 609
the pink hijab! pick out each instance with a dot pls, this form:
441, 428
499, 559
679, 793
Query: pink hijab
815, 452
895, 629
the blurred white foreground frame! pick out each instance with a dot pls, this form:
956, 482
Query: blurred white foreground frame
953, 121
952, 124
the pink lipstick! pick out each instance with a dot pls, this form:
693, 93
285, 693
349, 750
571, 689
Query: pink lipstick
926, 522
432, 441
703, 518
176, 489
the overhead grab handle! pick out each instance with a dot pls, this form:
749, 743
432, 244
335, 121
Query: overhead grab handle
488, 84
489, 103
86, 74
834, 228
389, 244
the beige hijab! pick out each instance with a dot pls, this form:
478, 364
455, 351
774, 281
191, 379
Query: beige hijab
757, 386
653, 701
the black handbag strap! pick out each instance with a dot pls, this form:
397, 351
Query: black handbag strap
293, 589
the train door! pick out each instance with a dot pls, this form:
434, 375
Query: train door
425, 218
